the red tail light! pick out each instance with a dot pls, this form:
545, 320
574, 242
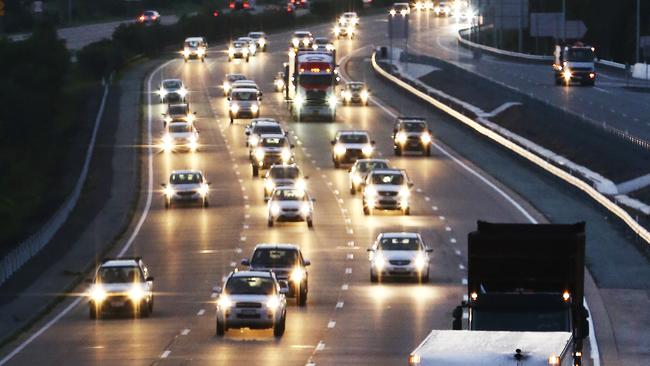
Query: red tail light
215, 14
141, 18
154, 17
246, 5
231, 5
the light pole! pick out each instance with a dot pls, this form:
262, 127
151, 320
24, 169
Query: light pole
638, 30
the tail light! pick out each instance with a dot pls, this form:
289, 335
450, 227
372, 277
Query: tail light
246, 5
231, 5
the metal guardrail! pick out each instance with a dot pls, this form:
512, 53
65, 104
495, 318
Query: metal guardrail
584, 186
22, 253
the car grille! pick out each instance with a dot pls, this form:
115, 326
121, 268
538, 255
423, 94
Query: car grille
399, 262
249, 305
248, 316
290, 209
187, 193
315, 94
388, 194
414, 138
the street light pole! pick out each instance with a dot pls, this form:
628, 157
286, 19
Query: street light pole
638, 30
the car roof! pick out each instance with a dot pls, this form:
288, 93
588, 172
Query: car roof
177, 80
244, 90
272, 135
252, 274
120, 263
354, 82
276, 246
244, 39
266, 122
302, 32
371, 160
189, 171
402, 234
256, 33
198, 39
352, 132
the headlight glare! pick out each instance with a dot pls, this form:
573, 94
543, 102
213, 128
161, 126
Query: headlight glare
136, 294
339, 149
97, 294
259, 154
273, 303
297, 275
367, 150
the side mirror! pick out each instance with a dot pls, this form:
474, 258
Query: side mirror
305, 177
149, 279
372, 142
245, 262
457, 323
216, 289
307, 262
429, 250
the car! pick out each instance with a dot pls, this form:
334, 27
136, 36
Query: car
247, 84
261, 39
178, 113
172, 91
289, 203
180, 136
386, 189
422, 5
399, 255
121, 284
238, 49
400, 8
288, 264
243, 103
259, 127
345, 31
349, 18
270, 150
299, 3
149, 17
411, 134
278, 82
301, 40
282, 175
355, 92
228, 80
254, 300
252, 45
195, 47
361, 168
186, 186
323, 44
442, 9
350, 145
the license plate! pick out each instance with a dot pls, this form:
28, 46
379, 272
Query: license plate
398, 269
248, 311
117, 303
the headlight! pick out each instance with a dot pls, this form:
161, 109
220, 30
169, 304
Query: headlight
379, 261
204, 190
299, 101
231, 51
224, 302
420, 262
331, 100
426, 138
567, 74
300, 184
305, 210
367, 150
255, 108
169, 191
261, 42
200, 51
259, 154
365, 95
162, 92
295, 42
252, 48
226, 86
97, 294
305, 41
370, 192
350, 30
337, 30
401, 137
356, 179
136, 294
285, 155
273, 303
403, 12
346, 95
297, 275
329, 47
314, 47
168, 119
269, 185
167, 139
253, 140
339, 149
186, 52
234, 108
182, 92
404, 192
190, 117
275, 209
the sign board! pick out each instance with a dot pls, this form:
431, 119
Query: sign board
398, 26
37, 7
552, 25
506, 14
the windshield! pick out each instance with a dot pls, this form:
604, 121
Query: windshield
315, 79
519, 321
260, 130
414, 126
239, 44
322, 41
275, 258
244, 95
119, 274
255, 35
177, 109
180, 127
285, 173
250, 286
370, 165
355, 87
172, 84
301, 35
235, 77
289, 195
580, 55
186, 178
193, 44
390, 178
399, 244
354, 138
273, 142
149, 13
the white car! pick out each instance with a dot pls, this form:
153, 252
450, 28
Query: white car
399, 255
172, 91
180, 136
195, 47
290, 204
186, 186
400, 8
323, 44
301, 40
387, 189
442, 9
252, 299
270, 150
246, 84
243, 103
178, 113
122, 284
282, 176
261, 39
252, 45
350, 145
349, 18
360, 170
229, 80
238, 49
259, 127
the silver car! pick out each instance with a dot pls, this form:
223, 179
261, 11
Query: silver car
252, 299
290, 204
399, 255
238, 49
360, 170
243, 103
180, 136
282, 176
271, 149
172, 91
387, 189
186, 186
261, 39
350, 145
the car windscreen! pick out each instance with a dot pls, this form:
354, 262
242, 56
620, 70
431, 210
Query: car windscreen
266, 257
180, 128
370, 165
289, 195
193, 44
239, 44
234, 77
354, 138
186, 178
322, 41
284, 173
399, 244
388, 178
273, 142
255, 35
355, 87
171, 84
244, 96
580, 55
250, 286
177, 109
315, 79
301, 34
149, 13
123, 274
414, 126
267, 130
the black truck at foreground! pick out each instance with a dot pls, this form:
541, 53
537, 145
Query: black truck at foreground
526, 278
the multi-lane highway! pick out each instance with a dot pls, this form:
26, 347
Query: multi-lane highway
189, 250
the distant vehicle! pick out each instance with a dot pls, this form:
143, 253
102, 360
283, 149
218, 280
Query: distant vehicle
243, 103
252, 45
278, 82
350, 145
178, 113
360, 170
411, 133
172, 91
252, 299
149, 17
323, 44
301, 40
575, 63
355, 92
271, 149
180, 136
186, 186
288, 264
121, 284
424, 5
299, 3
238, 49
345, 31
399, 255
290, 204
349, 18
282, 176
229, 79
247, 84
442, 9
241, 4
400, 8
195, 47
259, 127
261, 39
387, 189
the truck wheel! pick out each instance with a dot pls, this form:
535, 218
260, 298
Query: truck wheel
221, 329
256, 171
278, 328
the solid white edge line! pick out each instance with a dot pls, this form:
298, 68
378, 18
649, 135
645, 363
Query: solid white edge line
593, 342
129, 242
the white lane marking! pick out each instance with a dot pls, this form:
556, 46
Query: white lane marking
435, 208
601, 90
419, 190
447, 228
345, 287
243, 238
464, 281
427, 198
233, 264
128, 243
238, 250
246, 227
185, 331
165, 354
320, 346
247, 216
201, 312
350, 231
348, 270
350, 256
351, 243
339, 305
214, 295
441, 218
336, 192
461, 267
331, 324
457, 252
245, 198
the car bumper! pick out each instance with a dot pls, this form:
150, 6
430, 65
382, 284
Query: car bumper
248, 318
387, 203
396, 271
286, 215
186, 197
118, 304
412, 144
245, 114
350, 156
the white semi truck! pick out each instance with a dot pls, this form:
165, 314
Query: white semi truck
310, 80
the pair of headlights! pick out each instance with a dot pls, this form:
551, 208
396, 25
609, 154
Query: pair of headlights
135, 294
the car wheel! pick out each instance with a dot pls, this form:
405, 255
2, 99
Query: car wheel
424, 278
256, 171
278, 328
270, 223
301, 296
185, 60
407, 211
221, 329
373, 278
92, 311
427, 152
205, 202
353, 190
337, 164
229, 59
202, 59
366, 210
246, 59
144, 310
398, 151
310, 223
167, 203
